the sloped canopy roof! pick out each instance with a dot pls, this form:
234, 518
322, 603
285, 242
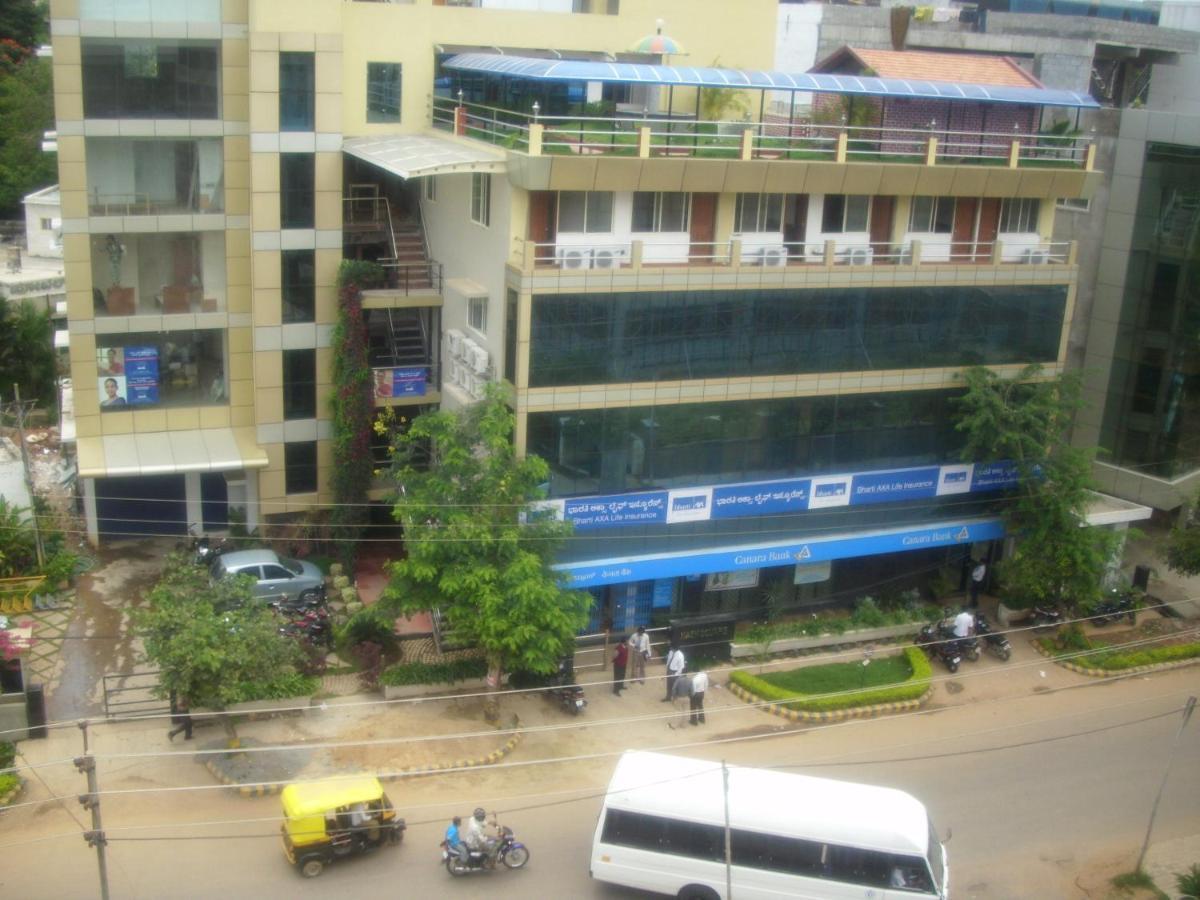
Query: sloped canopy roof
414, 155
691, 76
958, 68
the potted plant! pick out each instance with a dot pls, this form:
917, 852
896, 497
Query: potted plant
119, 299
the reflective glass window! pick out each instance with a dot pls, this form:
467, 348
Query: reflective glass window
297, 97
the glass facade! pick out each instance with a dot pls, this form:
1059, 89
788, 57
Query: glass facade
1152, 418
617, 338
297, 172
615, 450
297, 97
156, 369
383, 92
148, 79
298, 285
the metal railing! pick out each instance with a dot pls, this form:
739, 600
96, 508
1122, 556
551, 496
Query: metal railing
412, 278
594, 651
141, 204
658, 136
607, 255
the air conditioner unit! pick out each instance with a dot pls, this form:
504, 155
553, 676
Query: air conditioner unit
859, 256
456, 338
575, 257
608, 257
1036, 256
773, 256
468, 351
480, 361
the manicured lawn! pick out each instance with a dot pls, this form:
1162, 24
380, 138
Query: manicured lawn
837, 677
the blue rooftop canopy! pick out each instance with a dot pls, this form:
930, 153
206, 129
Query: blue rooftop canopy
690, 76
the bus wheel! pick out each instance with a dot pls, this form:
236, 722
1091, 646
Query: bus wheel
697, 892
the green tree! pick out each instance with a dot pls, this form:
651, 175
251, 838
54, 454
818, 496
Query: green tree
471, 549
1058, 559
23, 23
211, 640
27, 354
1182, 548
723, 104
26, 113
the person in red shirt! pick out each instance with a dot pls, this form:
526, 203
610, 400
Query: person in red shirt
620, 660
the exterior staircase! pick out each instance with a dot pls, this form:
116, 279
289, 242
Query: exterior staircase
412, 269
396, 338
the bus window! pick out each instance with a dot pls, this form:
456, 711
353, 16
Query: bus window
857, 866
774, 853
662, 835
910, 873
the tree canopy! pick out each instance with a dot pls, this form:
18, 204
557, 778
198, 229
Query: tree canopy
27, 353
1057, 558
471, 549
1182, 548
211, 640
26, 110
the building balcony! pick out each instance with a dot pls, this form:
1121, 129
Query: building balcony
760, 256
153, 176
773, 140
158, 274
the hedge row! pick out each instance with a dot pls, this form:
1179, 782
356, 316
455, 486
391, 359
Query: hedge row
912, 689
7, 783
433, 673
291, 685
1115, 660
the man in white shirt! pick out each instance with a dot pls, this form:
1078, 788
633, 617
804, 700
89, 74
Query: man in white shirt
964, 623
639, 652
699, 686
676, 663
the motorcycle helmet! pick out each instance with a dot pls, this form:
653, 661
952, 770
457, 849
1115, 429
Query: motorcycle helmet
479, 813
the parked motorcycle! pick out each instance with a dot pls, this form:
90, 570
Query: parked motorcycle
565, 690
203, 548
937, 645
312, 626
997, 643
506, 850
1045, 618
1116, 606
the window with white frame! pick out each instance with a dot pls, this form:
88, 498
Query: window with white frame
477, 310
931, 215
845, 213
758, 212
481, 198
585, 212
1075, 204
47, 224
1019, 215
431, 188
660, 211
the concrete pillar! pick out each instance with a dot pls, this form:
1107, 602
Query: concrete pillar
251, 499
536, 131
191, 493
89, 511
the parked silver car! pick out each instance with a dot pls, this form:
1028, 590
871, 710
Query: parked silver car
278, 580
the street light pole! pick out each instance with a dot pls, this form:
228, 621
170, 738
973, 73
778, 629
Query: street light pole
1187, 714
728, 835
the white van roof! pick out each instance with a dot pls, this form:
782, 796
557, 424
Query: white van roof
821, 809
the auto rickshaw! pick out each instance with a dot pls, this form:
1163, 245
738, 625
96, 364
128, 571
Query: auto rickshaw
336, 818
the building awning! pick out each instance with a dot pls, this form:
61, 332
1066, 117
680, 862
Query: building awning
169, 452
691, 76
414, 155
1103, 509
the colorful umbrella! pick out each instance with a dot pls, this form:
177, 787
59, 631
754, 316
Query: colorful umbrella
658, 43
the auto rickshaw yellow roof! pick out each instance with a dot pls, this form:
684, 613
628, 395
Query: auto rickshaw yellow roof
310, 798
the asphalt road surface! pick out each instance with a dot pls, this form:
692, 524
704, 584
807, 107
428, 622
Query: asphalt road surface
1036, 791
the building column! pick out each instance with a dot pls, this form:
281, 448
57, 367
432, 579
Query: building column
89, 511
251, 500
191, 493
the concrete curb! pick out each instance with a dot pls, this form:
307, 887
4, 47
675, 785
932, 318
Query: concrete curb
490, 759
833, 715
1109, 673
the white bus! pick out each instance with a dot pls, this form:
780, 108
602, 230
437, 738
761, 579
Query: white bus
662, 829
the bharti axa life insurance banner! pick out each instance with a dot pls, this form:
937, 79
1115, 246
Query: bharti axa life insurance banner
792, 495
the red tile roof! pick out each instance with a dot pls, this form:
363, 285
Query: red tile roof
923, 65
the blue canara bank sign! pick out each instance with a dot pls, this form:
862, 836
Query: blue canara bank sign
728, 559
757, 498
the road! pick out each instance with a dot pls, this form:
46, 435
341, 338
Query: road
1032, 801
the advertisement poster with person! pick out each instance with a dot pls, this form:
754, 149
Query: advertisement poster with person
141, 375
112, 391
400, 382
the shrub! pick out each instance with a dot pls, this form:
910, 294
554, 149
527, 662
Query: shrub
8, 755
912, 689
366, 626
867, 614
1071, 639
1101, 657
1189, 882
292, 684
370, 664
434, 673
7, 783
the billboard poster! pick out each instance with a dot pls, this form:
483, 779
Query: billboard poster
887, 487
622, 509
764, 498
408, 382
141, 375
112, 391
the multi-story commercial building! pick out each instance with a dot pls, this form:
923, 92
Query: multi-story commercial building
737, 344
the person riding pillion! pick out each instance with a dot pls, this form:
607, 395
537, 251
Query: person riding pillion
454, 841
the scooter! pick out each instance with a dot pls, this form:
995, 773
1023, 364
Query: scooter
1116, 606
932, 640
507, 850
565, 690
1045, 618
312, 626
997, 643
203, 549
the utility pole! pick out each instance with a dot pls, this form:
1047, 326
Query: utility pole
19, 412
1187, 714
91, 802
728, 836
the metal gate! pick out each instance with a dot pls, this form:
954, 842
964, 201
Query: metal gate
132, 694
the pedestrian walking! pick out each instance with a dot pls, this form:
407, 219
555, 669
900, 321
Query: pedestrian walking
681, 698
978, 574
639, 652
181, 718
620, 660
699, 686
676, 663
